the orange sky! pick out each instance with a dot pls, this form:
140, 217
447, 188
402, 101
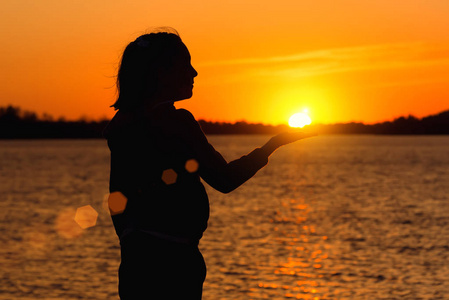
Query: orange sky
260, 61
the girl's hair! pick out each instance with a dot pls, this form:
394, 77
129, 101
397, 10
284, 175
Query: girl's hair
141, 60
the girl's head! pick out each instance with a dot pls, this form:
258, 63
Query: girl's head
154, 68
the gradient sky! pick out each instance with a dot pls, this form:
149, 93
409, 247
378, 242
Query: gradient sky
259, 61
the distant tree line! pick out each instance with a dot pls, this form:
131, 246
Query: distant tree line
16, 123
434, 124
240, 127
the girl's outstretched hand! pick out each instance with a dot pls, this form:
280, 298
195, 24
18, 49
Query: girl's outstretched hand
290, 137
284, 139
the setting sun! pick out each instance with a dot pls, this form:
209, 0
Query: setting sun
299, 120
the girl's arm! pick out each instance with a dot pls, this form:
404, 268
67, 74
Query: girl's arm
213, 168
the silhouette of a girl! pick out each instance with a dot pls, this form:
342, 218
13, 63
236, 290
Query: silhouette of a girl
149, 138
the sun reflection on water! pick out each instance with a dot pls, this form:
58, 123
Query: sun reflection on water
303, 266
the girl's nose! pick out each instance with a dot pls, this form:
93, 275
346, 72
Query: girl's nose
195, 73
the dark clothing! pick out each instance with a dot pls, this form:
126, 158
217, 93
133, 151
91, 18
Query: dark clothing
153, 268
143, 147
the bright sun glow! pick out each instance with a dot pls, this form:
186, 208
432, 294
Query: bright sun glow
299, 120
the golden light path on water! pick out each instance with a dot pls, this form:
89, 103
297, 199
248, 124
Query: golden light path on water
306, 251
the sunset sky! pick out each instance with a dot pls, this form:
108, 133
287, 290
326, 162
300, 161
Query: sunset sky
259, 61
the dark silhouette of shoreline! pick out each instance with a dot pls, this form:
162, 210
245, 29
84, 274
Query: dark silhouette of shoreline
16, 123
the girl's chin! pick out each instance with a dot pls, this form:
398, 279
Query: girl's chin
186, 94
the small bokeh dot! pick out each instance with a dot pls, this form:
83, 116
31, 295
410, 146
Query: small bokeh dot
117, 203
169, 176
65, 224
192, 165
86, 216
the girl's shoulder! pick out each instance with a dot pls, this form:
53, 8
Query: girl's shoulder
182, 119
175, 121
185, 115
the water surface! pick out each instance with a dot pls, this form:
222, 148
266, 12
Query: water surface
333, 217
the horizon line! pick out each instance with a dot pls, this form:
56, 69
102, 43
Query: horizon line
49, 118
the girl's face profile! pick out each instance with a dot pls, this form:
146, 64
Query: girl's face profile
177, 82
